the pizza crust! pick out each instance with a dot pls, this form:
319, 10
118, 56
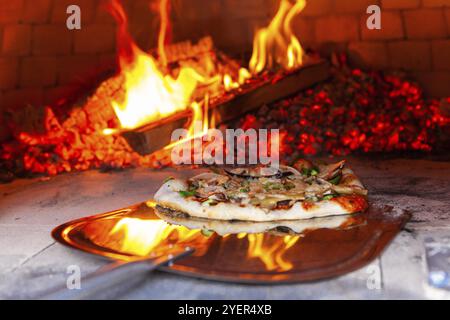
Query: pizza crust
168, 196
281, 227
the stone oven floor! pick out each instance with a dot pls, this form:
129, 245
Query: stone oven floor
31, 261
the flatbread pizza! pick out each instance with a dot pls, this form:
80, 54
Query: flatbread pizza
303, 191
281, 227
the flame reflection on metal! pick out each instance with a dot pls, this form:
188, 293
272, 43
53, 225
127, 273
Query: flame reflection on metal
270, 257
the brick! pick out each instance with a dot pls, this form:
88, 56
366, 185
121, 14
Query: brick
273, 7
144, 34
38, 72
141, 13
16, 39
369, 54
317, 8
11, 10
328, 49
37, 11
304, 30
108, 61
341, 28
238, 37
447, 18
425, 24
441, 54
436, 3
129, 5
51, 39
391, 27
144, 22
22, 97
201, 10
59, 12
5, 132
102, 15
410, 55
55, 95
353, 6
9, 70
198, 9
435, 83
95, 38
400, 4
77, 68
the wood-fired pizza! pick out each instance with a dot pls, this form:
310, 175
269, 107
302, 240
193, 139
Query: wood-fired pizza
259, 193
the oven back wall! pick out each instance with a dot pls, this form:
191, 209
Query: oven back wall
41, 61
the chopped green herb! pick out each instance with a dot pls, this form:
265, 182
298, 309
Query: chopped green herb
245, 190
272, 186
186, 194
289, 186
245, 183
328, 197
336, 180
207, 233
310, 171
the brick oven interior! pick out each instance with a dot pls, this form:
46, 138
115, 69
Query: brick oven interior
41, 62
44, 65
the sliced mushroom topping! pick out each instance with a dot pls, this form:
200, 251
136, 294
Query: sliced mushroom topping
303, 164
253, 172
331, 171
210, 178
209, 191
288, 171
269, 187
350, 189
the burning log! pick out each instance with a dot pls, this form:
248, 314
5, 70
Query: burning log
234, 104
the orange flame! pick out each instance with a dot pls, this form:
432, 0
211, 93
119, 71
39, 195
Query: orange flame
141, 237
271, 254
165, 25
150, 94
277, 44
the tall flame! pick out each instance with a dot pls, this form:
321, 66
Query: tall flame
165, 25
150, 94
277, 43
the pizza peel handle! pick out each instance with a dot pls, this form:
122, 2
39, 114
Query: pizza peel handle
104, 281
